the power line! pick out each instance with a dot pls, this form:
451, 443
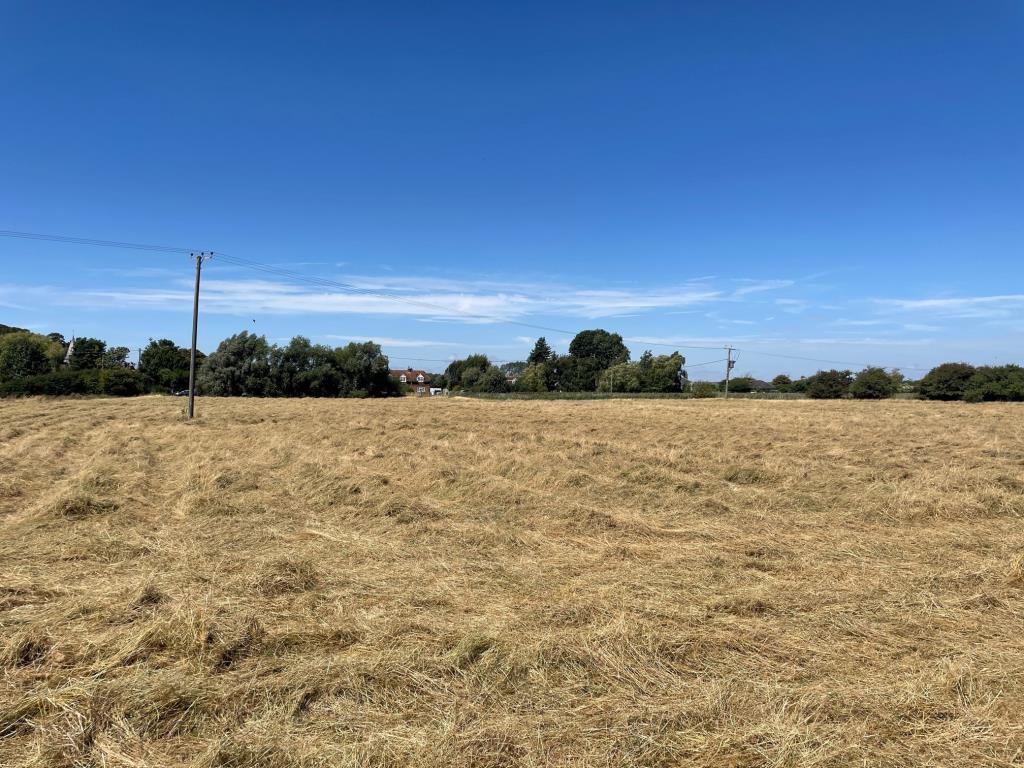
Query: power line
353, 289
320, 281
92, 241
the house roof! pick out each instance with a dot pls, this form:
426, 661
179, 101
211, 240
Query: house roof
411, 374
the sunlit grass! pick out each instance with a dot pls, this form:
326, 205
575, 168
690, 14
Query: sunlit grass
454, 582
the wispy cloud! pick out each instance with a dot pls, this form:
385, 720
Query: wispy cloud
758, 286
792, 306
429, 298
998, 306
390, 341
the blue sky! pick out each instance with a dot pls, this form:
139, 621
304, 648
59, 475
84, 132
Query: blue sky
841, 181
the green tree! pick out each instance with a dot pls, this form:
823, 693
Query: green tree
363, 371
475, 374
831, 384
541, 353
533, 379
115, 357
623, 377
782, 383
946, 382
600, 345
303, 369
875, 384
577, 374
462, 374
492, 380
23, 354
1004, 382
164, 365
88, 353
239, 367
661, 373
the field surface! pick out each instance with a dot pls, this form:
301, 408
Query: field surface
495, 584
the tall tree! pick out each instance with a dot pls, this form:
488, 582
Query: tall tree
604, 347
240, 366
363, 371
475, 374
303, 369
88, 353
115, 357
164, 365
541, 353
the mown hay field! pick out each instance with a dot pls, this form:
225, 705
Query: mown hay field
494, 584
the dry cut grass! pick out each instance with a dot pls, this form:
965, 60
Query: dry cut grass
287, 584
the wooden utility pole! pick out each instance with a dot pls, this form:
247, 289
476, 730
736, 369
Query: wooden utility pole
729, 363
199, 257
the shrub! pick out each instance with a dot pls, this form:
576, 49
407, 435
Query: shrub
946, 381
1005, 382
704, 389
23, 354
829, 385
874, 384
117, 382
739, 385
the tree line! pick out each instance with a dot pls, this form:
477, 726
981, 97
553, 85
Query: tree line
247, 365
597, 361
948, 381
243, 365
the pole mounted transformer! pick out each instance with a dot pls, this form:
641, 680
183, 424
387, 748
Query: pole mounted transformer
729, 363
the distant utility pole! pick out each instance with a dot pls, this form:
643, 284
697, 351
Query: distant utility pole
200, 258
729, 363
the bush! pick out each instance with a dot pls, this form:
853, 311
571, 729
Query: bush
116, 382
829, 385
874, 384
704, 389
738, 385
1005, 382
119, 382
24, 354
946, 382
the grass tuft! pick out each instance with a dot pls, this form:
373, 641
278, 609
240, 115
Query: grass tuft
288, 575
81, 505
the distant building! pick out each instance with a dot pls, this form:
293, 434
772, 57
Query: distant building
416, 381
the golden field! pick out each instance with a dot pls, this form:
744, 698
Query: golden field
494, 584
